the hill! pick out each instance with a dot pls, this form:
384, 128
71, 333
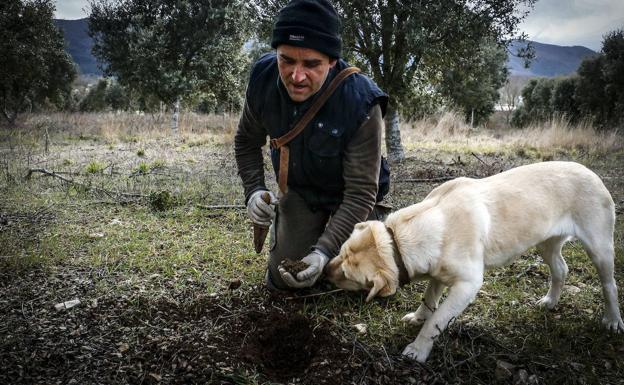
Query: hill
550, 60
78, 44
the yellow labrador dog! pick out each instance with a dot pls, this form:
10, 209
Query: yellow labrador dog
467, 225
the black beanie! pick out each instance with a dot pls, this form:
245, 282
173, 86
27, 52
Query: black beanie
311, 24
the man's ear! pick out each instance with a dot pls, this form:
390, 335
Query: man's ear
332, 62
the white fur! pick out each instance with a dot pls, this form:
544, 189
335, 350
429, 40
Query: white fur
465, 226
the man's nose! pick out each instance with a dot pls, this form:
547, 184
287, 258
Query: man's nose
298, 74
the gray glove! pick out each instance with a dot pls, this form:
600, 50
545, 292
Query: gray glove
316, 261
259, 211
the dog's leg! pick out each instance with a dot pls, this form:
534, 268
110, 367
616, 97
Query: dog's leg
602, 256
460, 295
427, 307
551, 252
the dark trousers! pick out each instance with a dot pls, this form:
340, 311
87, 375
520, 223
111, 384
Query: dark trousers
295, 229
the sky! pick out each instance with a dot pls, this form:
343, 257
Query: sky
561, 22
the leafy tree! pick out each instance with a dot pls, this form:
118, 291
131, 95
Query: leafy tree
562, 99
33, 64
395, 40
95, 99
613, 75
472, 82
171, 49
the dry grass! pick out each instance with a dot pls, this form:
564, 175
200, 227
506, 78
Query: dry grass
560, 133
127, 126
448, 128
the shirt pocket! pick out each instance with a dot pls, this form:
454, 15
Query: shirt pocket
326, 140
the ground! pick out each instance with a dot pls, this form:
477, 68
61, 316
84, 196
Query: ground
148, 232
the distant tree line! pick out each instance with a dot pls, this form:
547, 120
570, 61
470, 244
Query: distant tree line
595, 93
195, 53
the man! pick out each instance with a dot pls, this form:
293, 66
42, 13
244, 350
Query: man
334, 164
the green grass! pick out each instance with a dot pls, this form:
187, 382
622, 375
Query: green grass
139, 247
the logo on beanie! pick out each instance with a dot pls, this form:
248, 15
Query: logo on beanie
296, 37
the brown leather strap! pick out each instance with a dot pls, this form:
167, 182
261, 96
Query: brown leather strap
283, 171
301, 125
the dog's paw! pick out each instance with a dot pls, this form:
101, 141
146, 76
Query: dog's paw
547, 302
414, 318
614, 324
417, 352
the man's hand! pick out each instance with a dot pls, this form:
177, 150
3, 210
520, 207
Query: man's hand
258, 210
306, 278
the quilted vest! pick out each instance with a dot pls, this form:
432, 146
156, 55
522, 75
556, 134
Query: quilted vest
315, 164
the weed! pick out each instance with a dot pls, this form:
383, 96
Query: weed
141, 153
95, 167
161, 201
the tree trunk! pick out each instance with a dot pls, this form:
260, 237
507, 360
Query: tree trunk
393, 136
176, 115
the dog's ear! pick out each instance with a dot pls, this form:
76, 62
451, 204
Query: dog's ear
380, 286
360, 226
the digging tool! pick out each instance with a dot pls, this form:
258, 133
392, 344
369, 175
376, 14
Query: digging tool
260, 232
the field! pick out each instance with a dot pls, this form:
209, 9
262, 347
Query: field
146, 229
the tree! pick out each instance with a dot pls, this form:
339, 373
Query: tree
395, 40
472, 82
33, 65
613, 74
171, 49
510, 96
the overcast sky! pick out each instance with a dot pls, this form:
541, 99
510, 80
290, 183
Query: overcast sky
561, 22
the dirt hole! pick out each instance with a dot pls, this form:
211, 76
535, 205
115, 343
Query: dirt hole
284, 345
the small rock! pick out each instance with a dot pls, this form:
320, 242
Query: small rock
533, 380
503, 370
67, 304
96, 235
155, 376
361, 328
571, 289
123, 347
521, 377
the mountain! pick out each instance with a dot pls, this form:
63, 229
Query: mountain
550, 60
78, 44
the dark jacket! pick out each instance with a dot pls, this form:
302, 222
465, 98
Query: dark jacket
334, 163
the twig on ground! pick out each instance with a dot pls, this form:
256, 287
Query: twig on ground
425, 180
316, 294
222, 207
82, 185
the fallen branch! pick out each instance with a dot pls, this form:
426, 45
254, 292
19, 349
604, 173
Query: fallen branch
222, 207
315, 295
82, 185
426, 180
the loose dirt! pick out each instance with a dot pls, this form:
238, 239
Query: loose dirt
294, 267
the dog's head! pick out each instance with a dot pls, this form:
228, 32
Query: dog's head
365, 262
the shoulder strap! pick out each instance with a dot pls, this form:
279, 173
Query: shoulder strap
281, 142
307, 117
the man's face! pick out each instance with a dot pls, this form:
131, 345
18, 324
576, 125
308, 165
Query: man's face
302, 70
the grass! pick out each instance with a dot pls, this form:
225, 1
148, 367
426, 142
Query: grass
135, 216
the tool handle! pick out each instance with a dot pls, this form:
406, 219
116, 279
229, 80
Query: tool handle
266, 197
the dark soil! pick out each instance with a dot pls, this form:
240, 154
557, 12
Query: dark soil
294, 267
